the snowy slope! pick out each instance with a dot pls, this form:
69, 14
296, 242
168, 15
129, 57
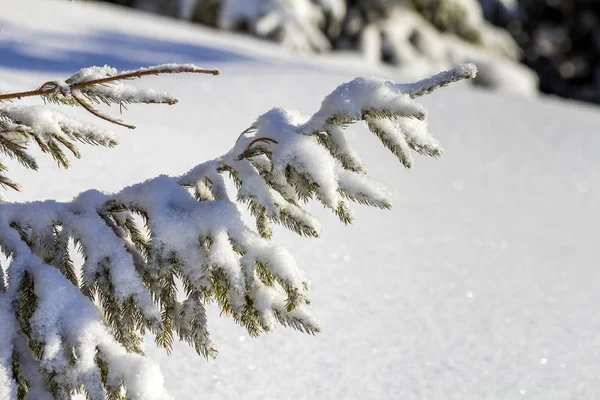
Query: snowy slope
481, 283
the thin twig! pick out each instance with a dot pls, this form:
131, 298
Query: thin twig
139, 74
4, 181
97, 113
248, 152
261, 139
19, 95
6, 140
49, 87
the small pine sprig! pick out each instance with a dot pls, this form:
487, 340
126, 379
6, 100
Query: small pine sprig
53, 132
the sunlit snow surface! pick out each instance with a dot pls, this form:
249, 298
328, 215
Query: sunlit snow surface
482, 281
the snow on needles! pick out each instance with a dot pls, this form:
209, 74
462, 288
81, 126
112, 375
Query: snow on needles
116, 91
54, 132
294, 23
46, 124
138, 242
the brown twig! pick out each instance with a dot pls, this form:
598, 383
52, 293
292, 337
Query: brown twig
88, 107
19, 95
248, 152
4, 181
261, 139
6, 140
139, 74
49, 87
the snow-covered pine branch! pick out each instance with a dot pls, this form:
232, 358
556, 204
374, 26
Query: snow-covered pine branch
64, 331
53, 132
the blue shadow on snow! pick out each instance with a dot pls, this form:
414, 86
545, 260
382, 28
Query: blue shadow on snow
123, 51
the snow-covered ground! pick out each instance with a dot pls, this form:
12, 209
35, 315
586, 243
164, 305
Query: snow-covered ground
481, 283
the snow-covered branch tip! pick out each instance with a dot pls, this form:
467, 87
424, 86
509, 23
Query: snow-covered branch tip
53, 131
138, 243
426, 86
284, 159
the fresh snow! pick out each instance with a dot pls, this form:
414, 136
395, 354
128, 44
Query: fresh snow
479, 283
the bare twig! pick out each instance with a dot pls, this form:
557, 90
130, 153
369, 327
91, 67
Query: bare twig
49, 87
261, 139
88, 107
149, 71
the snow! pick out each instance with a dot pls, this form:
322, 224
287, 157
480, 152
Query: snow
6, 334
414, 45
481, 282
47, 123
295, 23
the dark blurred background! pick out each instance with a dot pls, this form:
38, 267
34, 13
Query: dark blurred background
559, 40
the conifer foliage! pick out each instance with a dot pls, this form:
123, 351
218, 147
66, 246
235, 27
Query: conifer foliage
67, 328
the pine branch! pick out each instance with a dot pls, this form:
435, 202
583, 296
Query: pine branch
137, 243
51, 131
